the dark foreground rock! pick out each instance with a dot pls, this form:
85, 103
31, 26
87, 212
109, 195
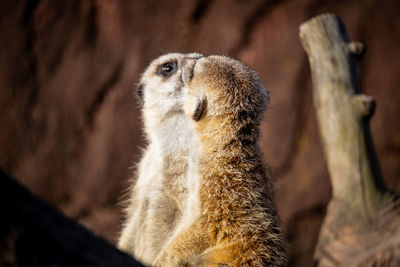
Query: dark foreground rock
32, 233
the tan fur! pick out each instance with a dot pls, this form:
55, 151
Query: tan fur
234, 220
159, 193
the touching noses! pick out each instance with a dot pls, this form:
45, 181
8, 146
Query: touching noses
188, 64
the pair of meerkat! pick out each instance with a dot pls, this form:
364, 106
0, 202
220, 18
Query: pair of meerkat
203, 196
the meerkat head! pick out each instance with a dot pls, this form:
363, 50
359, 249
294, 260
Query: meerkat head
221, 87
160, 88
162, 81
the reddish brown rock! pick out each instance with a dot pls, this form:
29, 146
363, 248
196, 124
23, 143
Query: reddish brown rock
71, 128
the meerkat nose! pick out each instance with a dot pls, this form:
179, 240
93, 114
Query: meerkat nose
194, 55
191, 58
188, 63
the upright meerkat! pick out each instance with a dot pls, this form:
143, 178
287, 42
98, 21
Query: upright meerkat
231, 218
157, 197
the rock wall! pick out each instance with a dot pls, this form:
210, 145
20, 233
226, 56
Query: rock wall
71, 129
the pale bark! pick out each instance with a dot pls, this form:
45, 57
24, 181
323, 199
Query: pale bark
362, 222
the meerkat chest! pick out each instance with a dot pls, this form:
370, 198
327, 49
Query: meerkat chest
162, 173
160, 193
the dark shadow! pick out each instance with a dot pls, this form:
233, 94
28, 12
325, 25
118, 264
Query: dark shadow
33, 233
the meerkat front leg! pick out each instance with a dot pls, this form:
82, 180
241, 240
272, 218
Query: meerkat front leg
184, 248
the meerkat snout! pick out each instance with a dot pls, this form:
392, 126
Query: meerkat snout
187, 65
199, 101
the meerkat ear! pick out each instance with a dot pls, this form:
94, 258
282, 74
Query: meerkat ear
200, 108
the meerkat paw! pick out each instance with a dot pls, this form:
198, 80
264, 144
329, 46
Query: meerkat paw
170, 257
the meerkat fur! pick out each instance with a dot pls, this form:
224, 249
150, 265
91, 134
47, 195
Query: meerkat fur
232, 218
159, 190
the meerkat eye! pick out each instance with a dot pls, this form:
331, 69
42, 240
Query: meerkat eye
167, 69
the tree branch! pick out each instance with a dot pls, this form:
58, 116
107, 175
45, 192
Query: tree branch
355, 214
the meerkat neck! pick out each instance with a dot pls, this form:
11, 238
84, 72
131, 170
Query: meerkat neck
228, 155
170, 135
231, 175
235, 137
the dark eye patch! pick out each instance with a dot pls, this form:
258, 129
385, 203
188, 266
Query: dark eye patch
167, 69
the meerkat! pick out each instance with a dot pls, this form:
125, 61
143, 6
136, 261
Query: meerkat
159, 191
231, 217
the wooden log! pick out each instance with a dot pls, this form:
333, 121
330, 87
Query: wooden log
362, 225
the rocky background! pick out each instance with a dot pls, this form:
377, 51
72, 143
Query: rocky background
70, 127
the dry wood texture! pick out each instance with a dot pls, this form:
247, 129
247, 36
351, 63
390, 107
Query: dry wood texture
362, 222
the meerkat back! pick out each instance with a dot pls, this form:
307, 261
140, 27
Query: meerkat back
160, 184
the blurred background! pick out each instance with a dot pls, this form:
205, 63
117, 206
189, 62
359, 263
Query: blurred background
70, 127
